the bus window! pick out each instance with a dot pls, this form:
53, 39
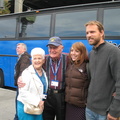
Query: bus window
72, 24
8, 27
112, 22
35, 26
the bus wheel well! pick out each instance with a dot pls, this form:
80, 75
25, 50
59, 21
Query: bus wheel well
1, 78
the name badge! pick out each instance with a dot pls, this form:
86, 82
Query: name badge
54, 83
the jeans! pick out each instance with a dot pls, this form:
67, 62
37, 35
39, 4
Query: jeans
90, 115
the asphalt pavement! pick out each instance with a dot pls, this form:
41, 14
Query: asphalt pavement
7, 103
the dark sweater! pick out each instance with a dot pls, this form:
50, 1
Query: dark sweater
104, 70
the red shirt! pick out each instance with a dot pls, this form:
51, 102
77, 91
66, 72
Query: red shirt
60, 76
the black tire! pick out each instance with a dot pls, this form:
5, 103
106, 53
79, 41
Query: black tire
1, 79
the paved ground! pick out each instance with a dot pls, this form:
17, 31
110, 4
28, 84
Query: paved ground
7, 104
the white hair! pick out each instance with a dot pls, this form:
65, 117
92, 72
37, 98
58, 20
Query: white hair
37, 51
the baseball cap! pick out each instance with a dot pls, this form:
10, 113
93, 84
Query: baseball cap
54, 41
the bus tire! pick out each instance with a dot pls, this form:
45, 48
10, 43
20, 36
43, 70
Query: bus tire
1, 79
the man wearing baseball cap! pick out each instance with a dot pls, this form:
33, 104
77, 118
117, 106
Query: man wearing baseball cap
55, 66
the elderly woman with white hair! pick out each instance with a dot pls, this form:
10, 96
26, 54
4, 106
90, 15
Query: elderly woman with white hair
35, 89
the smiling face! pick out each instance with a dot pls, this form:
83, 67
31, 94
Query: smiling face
37, 61
75, 54
78, 53
55, 51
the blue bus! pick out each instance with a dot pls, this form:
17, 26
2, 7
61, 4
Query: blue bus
34, 28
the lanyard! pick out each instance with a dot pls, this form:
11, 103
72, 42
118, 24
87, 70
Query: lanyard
56, 70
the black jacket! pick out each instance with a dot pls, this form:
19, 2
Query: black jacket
76, 85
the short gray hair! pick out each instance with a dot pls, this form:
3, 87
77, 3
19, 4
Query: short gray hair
24, 45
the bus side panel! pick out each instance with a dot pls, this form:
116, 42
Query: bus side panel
7, 66
66, 43
7, 63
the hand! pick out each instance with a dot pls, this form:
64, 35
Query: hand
109, 117
114, 94
20, 82
41, 104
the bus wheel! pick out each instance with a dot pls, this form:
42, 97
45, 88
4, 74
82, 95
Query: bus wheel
1, 79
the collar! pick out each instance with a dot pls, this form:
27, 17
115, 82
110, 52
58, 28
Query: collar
97, 48
56, 59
